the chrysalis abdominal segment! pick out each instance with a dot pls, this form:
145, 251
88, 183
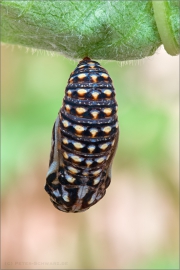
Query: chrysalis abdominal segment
84, 140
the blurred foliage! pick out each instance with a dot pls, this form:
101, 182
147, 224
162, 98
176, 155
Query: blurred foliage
32, 97
32, 92
160, 262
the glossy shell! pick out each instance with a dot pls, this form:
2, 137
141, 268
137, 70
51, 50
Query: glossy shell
84, 140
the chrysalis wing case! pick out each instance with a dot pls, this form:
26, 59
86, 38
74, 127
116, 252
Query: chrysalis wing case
84, 140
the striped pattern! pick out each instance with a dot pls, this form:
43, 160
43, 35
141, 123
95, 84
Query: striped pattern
84, 140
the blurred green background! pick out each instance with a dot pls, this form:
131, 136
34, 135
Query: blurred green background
135, 226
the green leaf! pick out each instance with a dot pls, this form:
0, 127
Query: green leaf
167, 19
119, 30
113, 30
